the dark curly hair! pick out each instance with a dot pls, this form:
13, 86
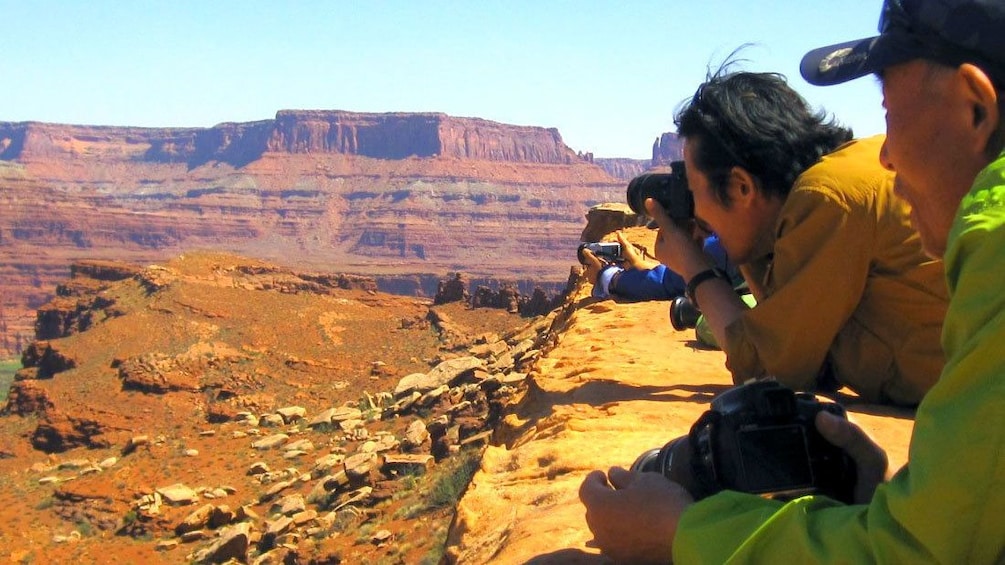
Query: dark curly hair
758, 122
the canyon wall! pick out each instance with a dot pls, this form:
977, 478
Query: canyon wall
379, 136
623, 168
386, 195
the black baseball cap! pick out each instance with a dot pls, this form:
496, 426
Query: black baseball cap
946, 31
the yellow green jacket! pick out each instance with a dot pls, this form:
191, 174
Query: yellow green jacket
947, 505
846, 282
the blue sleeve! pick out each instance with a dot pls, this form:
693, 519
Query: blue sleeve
717, 253
658, 283
714, 250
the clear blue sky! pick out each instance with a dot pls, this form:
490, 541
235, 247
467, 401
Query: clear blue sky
607, 74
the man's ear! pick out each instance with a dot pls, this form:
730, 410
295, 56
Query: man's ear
743, 186
983, 100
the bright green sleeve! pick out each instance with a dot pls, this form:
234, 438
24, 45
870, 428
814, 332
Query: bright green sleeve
948, 505
703, 333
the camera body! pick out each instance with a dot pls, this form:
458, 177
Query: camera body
669, 189
604, 250
758, 438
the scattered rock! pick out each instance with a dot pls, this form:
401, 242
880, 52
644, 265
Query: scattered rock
381, 536
324, 418
270, 442
303, 445
415, 435
292, 414
346, 413
178, 494
406, 464
197, 520
290, 505
232, 544
166, 545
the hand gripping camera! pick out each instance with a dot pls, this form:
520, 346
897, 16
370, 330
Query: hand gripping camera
669, 189
758, 438
605, 251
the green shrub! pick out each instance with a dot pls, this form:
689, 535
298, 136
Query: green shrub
129, 518
85, 528
47, 502
438, 543
451, 484
7, 369
365, 532
410, 511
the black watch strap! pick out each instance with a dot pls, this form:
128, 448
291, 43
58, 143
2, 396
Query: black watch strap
706, 275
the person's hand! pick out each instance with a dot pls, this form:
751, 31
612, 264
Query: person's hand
870, 460
675, 247
633, 516
634, 259
593, 265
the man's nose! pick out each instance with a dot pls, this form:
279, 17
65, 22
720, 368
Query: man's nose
884, 157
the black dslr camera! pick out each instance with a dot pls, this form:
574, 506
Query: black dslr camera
669, 189
758, 438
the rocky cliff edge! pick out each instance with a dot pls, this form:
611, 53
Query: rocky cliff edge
617, 380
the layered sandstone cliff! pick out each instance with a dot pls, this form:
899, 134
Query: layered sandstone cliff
625, 169
379, 136
392, 195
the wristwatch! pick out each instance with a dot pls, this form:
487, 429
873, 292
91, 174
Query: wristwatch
706, 275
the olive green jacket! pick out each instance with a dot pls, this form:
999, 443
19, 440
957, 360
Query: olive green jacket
845, 282
946, 504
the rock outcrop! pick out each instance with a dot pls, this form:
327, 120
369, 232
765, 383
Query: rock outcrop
605, 219
666, 149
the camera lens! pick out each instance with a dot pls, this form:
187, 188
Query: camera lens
648, 462
640, 188
669, 189
683, 314
673, 461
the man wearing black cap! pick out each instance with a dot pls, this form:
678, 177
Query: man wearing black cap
942, 66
